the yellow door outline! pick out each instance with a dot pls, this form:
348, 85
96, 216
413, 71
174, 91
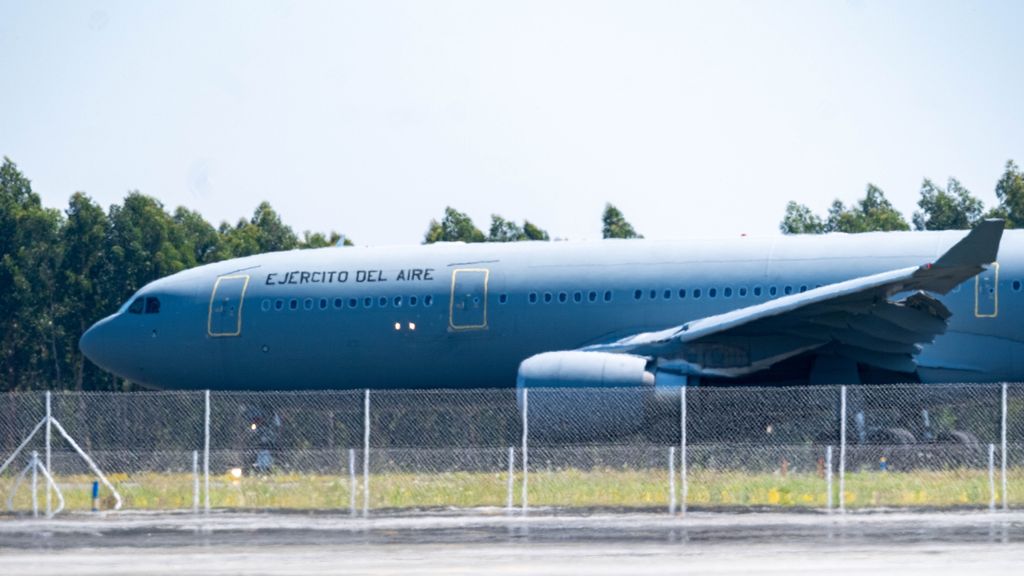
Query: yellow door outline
451, 300
995, 294
241, 301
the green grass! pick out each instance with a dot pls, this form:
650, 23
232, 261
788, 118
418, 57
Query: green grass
569, 488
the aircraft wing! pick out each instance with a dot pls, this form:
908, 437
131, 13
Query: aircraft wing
856, 319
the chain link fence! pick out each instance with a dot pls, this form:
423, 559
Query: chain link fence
508, 452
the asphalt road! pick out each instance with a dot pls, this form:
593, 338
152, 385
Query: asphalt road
274, 543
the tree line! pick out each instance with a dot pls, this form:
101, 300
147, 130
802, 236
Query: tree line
62, 270
952, 207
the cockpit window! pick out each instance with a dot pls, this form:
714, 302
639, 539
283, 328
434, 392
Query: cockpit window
152, 305
136, 307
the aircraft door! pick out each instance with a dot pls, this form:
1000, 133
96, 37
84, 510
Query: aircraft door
986, 292
225, 314
468, 307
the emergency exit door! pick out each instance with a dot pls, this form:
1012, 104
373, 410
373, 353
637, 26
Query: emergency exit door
468, 307
225, 315
986, 292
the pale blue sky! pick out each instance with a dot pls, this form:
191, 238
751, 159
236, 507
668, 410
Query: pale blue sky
695, 118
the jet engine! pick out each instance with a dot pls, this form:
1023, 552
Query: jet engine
588, 396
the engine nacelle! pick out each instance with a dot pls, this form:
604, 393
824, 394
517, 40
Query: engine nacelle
587, 396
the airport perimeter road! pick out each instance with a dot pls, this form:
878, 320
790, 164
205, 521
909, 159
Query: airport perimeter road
925, 543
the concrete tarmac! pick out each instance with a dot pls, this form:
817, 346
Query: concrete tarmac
488, 541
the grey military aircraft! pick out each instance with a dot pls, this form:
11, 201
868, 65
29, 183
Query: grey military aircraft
863, 308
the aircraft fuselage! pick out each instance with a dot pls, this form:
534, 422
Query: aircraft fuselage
465, 316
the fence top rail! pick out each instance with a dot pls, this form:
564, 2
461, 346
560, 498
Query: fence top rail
909, 386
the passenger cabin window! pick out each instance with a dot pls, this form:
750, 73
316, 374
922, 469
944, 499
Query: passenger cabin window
137, 306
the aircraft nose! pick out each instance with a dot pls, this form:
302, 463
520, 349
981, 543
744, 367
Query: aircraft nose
96, 345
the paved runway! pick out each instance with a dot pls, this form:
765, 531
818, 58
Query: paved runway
486, 541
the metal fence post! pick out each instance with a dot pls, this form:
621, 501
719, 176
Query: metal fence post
206, 452
1002, 452
366, 454
35, 484
351, 481
992, 477
842, 450
526, 454
195, 482
682, 451
49, 435
671, 480
511, 477
828, 478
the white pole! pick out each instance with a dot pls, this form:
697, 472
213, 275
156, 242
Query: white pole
366, 454
206, 454
49, 432
351, 481
992, 477
92, 465
56, 489
511, 477
35, 484
1002, 453
21, 446
842, 450
682, 450
526, 453
17, 484
195, 482
671, 480
828, 478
